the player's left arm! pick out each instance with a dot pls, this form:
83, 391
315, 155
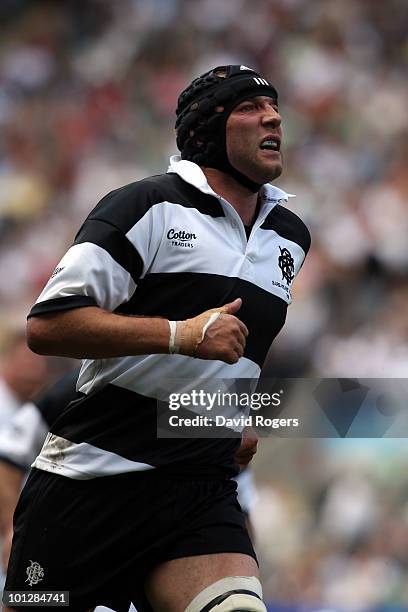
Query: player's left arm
247, 448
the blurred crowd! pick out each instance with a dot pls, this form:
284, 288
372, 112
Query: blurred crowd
87, 97
331, 525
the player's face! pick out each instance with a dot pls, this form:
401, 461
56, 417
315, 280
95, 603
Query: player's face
254, 136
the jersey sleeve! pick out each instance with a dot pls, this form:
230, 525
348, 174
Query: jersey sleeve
100, 269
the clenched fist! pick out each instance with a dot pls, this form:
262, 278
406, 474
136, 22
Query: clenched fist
213, 334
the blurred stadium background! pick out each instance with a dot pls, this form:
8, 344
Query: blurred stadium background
87, 97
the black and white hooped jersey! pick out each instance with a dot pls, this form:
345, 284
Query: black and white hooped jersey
165, 246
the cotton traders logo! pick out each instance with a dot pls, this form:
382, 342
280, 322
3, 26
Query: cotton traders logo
287, 265
181, 238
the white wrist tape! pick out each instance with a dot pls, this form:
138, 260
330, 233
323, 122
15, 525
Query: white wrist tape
173, 347
186, 336
210, 321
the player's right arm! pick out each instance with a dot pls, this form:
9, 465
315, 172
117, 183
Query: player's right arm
94, 333
79, 312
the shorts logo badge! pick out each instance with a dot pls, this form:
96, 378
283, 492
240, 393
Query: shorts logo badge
287, 265
35, 573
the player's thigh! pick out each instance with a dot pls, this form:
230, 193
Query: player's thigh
173, 584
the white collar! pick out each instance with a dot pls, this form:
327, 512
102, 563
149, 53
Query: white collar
191, 173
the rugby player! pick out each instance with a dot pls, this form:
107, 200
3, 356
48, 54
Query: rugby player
186, 274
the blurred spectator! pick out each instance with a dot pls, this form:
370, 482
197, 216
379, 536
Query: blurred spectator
22, 374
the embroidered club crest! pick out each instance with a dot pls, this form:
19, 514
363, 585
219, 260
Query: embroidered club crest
287, 265
35, 573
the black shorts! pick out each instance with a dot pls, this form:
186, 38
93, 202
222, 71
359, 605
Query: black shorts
99, 538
